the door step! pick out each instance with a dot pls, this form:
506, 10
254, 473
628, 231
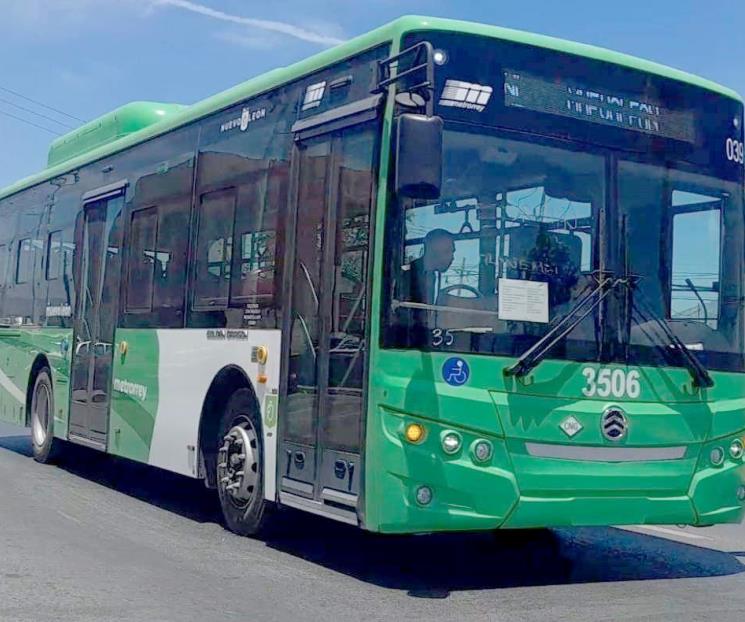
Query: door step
341, 514
86, 442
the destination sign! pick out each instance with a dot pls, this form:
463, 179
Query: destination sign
631, 112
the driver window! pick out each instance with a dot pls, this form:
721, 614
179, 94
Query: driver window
696, 250
509, 245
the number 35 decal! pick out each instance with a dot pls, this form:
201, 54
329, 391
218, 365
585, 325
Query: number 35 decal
611, 382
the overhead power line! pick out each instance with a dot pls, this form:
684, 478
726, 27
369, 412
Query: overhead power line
43, 105
27, 122
38, 114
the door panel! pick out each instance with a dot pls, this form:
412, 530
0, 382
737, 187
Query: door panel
305, 334
97, 271
322, 433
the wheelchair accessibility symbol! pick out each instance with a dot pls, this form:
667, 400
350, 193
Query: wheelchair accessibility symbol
455, 371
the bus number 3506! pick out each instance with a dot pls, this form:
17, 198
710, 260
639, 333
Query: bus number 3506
607, 382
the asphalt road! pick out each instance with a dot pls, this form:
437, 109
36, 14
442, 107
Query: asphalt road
102, 539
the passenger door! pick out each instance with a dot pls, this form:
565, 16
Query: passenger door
97, 275
326, 324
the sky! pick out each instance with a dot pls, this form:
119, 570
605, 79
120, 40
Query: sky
87, 57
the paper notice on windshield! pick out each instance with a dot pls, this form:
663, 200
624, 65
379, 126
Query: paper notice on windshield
523, 301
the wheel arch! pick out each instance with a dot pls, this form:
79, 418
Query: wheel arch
40, 362
226, 382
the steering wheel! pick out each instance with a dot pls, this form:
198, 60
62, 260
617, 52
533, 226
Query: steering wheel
463, 287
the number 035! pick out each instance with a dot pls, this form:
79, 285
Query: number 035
611, 382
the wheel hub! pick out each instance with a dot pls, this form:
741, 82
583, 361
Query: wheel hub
237, 467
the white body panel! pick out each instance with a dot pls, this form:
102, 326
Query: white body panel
188, 363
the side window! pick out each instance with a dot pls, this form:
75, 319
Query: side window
24, 261
696, 249
142, 260
255, 238
170, 255
3, 264
54, 255
214, 249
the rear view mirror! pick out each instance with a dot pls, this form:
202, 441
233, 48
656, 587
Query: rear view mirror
419, 156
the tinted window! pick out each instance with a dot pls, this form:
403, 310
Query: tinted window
256, 237
54, 255
685, 238
142, 260
696, 274
517, 222
170, 256
25, 261
214, 249
3, 264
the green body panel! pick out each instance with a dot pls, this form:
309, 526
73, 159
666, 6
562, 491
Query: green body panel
518, 490
133, 418
121, 122
19, 348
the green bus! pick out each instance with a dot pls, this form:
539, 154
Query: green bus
444, 276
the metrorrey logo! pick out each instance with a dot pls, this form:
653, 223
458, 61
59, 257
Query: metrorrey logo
247, 117
130, 388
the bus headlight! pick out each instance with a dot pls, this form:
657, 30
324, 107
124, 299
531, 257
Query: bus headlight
451, 442
482, 450
717, 456
424, 495
736, 449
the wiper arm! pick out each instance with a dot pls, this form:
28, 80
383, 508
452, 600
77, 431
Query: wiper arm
539, 350
696, 368
694, 289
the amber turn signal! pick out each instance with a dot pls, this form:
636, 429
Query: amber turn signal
414, 432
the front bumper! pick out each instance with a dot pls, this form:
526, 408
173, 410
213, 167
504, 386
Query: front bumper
515, 490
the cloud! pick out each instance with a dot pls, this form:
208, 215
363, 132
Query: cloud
252, 41
262, 24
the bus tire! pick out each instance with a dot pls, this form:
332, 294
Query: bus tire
240, 466
44, 445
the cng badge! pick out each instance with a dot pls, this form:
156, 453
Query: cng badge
570, 426
455, 371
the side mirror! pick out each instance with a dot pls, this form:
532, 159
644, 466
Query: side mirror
419, 156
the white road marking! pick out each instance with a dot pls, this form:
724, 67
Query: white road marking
674, 532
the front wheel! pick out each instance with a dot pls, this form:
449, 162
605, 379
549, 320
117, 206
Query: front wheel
240, 466
45, 446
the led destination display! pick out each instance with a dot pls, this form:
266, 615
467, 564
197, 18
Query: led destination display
631, 112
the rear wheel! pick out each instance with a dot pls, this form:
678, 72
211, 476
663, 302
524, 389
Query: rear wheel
240, 466
45, 446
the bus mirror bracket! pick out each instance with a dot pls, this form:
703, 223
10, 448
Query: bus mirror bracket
412, 74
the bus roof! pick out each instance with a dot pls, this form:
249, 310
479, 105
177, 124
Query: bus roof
85, 147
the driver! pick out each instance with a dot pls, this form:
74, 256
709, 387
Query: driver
423, 276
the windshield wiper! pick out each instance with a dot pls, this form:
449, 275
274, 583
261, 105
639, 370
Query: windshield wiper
540, 349
694, 289
696, 368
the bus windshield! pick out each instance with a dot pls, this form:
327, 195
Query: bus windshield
523, 230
